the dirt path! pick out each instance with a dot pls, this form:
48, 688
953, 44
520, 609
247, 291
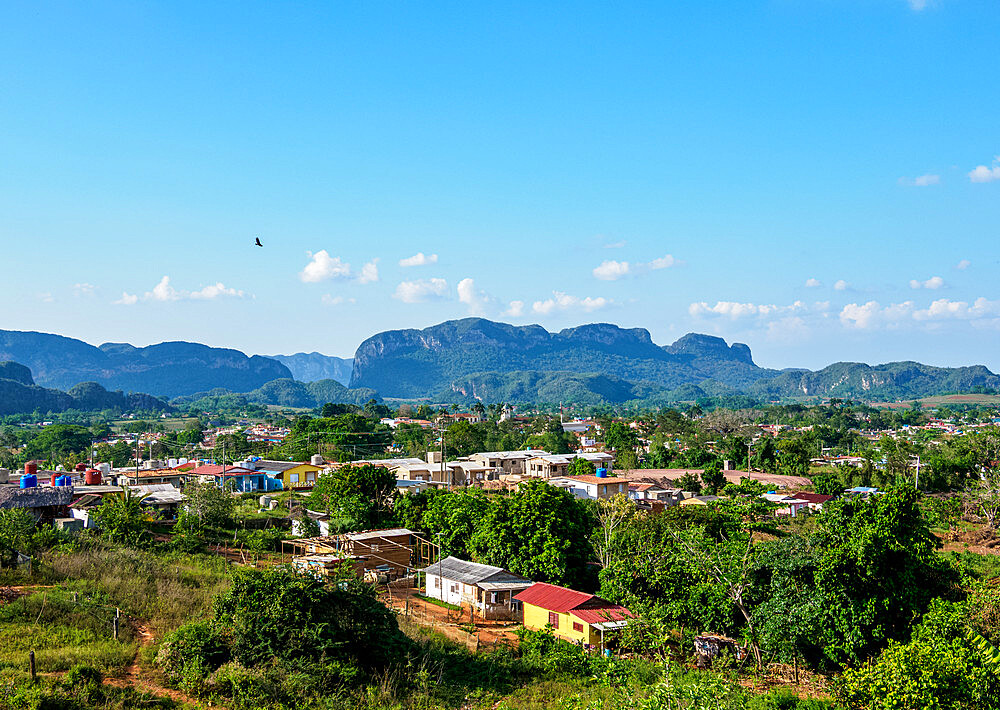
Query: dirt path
449, 622
140, 679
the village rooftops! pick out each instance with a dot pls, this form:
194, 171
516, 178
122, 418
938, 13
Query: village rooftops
518, 454
595, 479
211, 469
388, 463
277, 466
12, 496
376, 534
814, 498
589, 608
472, 573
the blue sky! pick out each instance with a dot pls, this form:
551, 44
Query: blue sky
816, 178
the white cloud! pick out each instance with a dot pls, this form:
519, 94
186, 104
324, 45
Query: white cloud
963, 265
323, 267
563, 302
328, 300
84, 289
615, 245
841, 285
611, 270
214, 291
872, 315
921, 180
917, 5
736, 310
663, 262
419, 259
472, 297
943, 309
790, 329
163, 291
813, 283
369, 272
421, 290
515, 309
984, 173
46, 297
933, 283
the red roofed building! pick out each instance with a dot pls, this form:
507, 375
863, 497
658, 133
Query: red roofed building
815, 500
573, 615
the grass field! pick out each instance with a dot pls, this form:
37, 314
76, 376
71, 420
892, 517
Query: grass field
944, 400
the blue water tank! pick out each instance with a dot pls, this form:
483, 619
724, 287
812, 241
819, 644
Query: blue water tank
64, 481
602, 473
29, 480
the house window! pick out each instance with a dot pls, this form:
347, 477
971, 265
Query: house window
454, 589
293, 477
437, 582
553, 620
577, 626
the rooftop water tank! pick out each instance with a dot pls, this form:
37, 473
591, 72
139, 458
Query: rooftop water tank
104, 468
171, 463
602, 473
92, 477
4, 475
30, 468
316, 460
80, 467
29, 480
54, 481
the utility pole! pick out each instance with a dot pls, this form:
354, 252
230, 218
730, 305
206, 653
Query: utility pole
440, 579
916, 480
137, 459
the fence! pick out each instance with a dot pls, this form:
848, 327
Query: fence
465, 626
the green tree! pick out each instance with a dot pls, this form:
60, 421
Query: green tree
59, 439
121, 518
359, 496
712, 478
946, 665
877, 570
690, 482
541, 532
209, 505
463, 438
16, 528
453, 519
580, 467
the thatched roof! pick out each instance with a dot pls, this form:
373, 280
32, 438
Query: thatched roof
15, 497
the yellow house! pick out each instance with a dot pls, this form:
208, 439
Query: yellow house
572, 615
292, 474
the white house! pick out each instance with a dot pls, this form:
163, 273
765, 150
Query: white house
592, 487
489, 590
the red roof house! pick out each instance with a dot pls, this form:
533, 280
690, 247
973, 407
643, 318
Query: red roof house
572, 615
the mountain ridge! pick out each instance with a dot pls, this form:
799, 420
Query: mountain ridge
468, 359
169, 369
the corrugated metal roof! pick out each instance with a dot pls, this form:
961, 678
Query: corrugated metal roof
589, 608
611, 612
553, 598
375, 534
466, 572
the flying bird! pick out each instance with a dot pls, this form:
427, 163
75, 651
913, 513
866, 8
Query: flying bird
257, 241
